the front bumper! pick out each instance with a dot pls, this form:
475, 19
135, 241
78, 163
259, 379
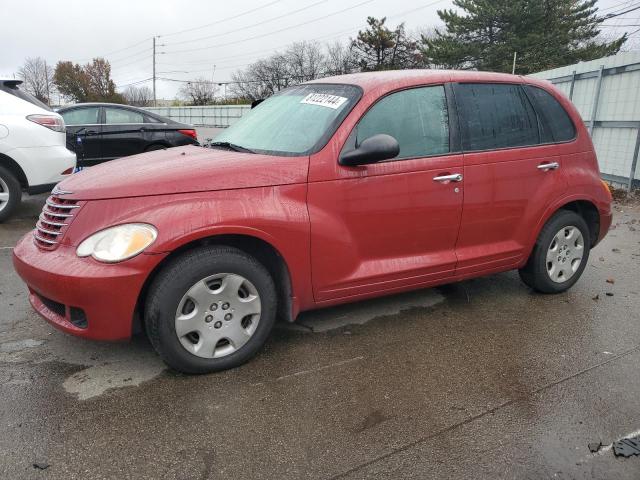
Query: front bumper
69, 291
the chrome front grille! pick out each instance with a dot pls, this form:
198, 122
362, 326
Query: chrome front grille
56, 215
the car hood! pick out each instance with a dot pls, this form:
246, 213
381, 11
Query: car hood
183, 170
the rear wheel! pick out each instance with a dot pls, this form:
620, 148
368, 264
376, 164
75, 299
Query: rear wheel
560, 254
210, 309
10, 193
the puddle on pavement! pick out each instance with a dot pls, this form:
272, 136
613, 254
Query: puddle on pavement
94, 381
18, 345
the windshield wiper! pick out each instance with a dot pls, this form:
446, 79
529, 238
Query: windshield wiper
232, 146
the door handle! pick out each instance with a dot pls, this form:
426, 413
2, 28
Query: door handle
549, 166
90, 132
456, 177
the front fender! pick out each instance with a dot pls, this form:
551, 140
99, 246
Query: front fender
276, 215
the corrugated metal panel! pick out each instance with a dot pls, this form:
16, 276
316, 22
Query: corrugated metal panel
618, 101
219, 116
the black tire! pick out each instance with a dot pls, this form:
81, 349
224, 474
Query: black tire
534, 274
10, 183
155, 146
173, 282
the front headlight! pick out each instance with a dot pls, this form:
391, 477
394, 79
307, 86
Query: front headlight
119, 243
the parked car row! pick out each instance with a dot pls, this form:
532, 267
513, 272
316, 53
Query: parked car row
99, 132
40, 147
328, 192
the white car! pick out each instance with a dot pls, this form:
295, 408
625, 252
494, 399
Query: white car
33, 152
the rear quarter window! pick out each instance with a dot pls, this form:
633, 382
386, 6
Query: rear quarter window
555, 123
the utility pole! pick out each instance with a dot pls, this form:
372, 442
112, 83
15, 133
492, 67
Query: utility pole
46, 76
154, 72
513, 70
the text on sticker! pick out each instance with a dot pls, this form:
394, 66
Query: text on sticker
324, 100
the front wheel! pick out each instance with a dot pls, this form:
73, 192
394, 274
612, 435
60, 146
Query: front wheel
210, 309
560, 254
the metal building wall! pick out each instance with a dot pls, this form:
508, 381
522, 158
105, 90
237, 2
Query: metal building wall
606, 92
219, 116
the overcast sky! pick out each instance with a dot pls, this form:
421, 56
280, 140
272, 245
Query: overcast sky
235, 32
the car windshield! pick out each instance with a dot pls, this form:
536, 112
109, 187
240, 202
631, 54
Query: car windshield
296, 121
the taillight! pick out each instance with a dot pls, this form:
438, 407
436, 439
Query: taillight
52, 122
190, 133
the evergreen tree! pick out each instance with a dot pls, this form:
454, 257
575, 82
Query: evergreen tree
380, 48
544, 33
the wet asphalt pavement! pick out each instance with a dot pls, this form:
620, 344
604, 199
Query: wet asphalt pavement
481, 379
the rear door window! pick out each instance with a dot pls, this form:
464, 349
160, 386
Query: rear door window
81, 116
116, 116
555, 123
417, 118
494, 116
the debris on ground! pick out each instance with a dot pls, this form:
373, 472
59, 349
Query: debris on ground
595, 446
621, 196
611, 281
596, 298
627, 447
609, 294
40, 465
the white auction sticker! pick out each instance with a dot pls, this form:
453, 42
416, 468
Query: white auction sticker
324, 100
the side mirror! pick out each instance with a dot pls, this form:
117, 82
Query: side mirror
371, 150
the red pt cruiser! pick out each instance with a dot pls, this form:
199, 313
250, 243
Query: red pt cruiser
336, 190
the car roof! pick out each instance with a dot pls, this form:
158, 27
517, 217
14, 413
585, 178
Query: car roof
399, 78
102, 104
166, 120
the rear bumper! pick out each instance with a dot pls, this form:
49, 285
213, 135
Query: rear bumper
71, 292
44, 165
605, 223
36, 189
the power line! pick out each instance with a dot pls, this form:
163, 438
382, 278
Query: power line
273, 32
288, 14
330, 35
142, 52
246, 12
273, 49
617, 14
137, 82
115, 51
626, 3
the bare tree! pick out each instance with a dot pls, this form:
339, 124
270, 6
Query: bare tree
301, 62
262, 78
305, 61
199, 91
37, 76
138, 96
340, 59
